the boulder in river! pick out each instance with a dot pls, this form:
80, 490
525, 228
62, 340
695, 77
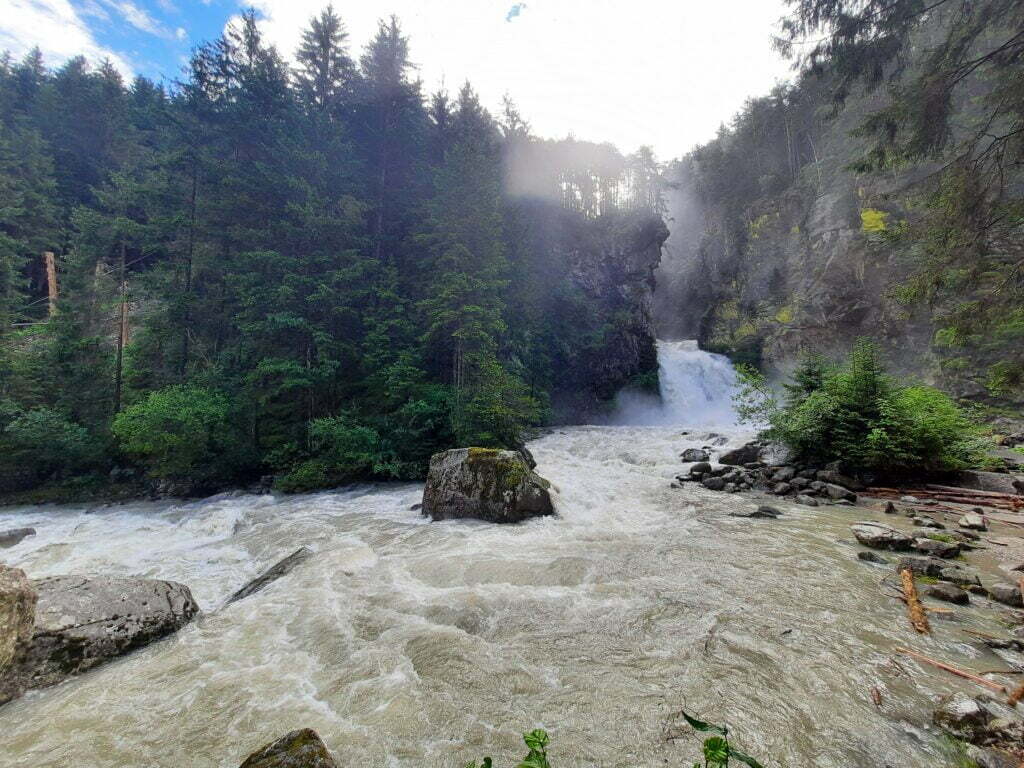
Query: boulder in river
742, 455
936, 548
964, 717
972, 521
713, 483
17, 615
694, 454
807, 501
997, 482
763, 511
839, 493
921, 566
298, 749
880, 536
272, 574
1008, 594
948, 592
14, 536
81, 622
486, 484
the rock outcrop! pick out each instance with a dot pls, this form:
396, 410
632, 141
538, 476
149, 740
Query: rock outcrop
17, 616
272, 574
298, 749
82, 622
485, 484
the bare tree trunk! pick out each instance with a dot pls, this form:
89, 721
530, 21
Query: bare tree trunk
122, 332
51, 280
188, 269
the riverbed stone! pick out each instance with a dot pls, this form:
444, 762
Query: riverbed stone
17, 615
14, 536
1008, 594
783, 474
964, 717
82, 622
701, 467
839, 493
807, 501
880, 536
694, 454
998, 482
872, 557
935, 548
486, 484
742, 455
781, 489
298, 749
924, 521
972, 521
890, 508
921, 566
713, 483
272, 574
948, 592
763, 511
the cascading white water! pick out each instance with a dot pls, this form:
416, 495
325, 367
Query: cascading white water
696, 390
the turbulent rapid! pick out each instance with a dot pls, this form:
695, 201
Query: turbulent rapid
408, 643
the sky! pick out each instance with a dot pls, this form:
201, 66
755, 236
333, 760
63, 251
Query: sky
665, 73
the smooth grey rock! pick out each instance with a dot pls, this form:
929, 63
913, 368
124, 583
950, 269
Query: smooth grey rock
82, 622
713, 483
964, 717
742, 455
972, 521
839, 493
485, 484
800, 483
298, 749
998, 482
783, 474
14, 536
807, 501
694, 454
17, 615
880, 536
700, 467
872, 557
781, 489
921, 566
1008, 594
962, 577
948, 592
936, 548
924, 521
763, 511
272, 574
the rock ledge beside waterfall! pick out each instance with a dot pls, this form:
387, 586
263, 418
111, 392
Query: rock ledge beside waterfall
484, 484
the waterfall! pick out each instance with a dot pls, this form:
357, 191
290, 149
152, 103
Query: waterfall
696, 389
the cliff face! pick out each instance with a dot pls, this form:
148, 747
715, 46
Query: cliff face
598, 308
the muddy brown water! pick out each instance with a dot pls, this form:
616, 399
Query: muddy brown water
408, 643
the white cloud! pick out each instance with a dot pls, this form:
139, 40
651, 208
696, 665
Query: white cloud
58, 30
138, 18
662, 72
180, 33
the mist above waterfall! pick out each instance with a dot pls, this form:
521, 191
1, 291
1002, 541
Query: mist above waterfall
696, 389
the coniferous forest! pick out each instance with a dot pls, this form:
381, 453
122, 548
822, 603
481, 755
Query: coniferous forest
315, 271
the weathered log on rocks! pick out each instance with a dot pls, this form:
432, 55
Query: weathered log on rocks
918, 618
82, 622
880, 536
272, 574
298, 749
953, 670
486, 484
14, 536
17, 616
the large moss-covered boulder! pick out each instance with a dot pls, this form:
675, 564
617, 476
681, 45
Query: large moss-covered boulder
485, 484
81, 622
17, 614
298, 749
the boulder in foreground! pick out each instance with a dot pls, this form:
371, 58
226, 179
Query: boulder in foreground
298, 749
17, 615
485, 484
82, 622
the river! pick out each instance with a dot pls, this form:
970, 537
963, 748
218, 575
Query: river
408, 643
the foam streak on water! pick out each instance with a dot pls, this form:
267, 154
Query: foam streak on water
409, 644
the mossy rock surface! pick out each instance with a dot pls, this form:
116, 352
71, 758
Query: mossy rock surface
484, 484
298, 749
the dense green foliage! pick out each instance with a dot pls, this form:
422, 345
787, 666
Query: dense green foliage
855, 413
312, 271
537, 742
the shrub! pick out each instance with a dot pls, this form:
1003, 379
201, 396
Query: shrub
854, 412
341, 451
40, 443
184, 433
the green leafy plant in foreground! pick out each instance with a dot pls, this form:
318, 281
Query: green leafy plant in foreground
536, 741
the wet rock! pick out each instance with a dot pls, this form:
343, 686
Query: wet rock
890, 508
713, 483
962, 577
872, 557
817, 486
82, 622
742, 455
781, 489
1008, 594
763, 511
909, 499
783, 474
416, 507
991, 758
944, 549
839, 493
694, 454
14, 536
948, 592
807, 501
921, 566
924, 521
966, 718
834, 477
972, 521
880, 536
800, 483
486, 484
17, 615
272, 574
298, 749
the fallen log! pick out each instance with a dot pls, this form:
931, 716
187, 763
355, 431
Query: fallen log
914, 607
970, 491
952, 670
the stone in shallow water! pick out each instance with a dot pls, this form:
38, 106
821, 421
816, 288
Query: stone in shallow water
807, 501
964, 717
694, 454
972, 521
1008, 594
298, 749
948, 592
763, 511
880, 536
937, 548
872, 557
